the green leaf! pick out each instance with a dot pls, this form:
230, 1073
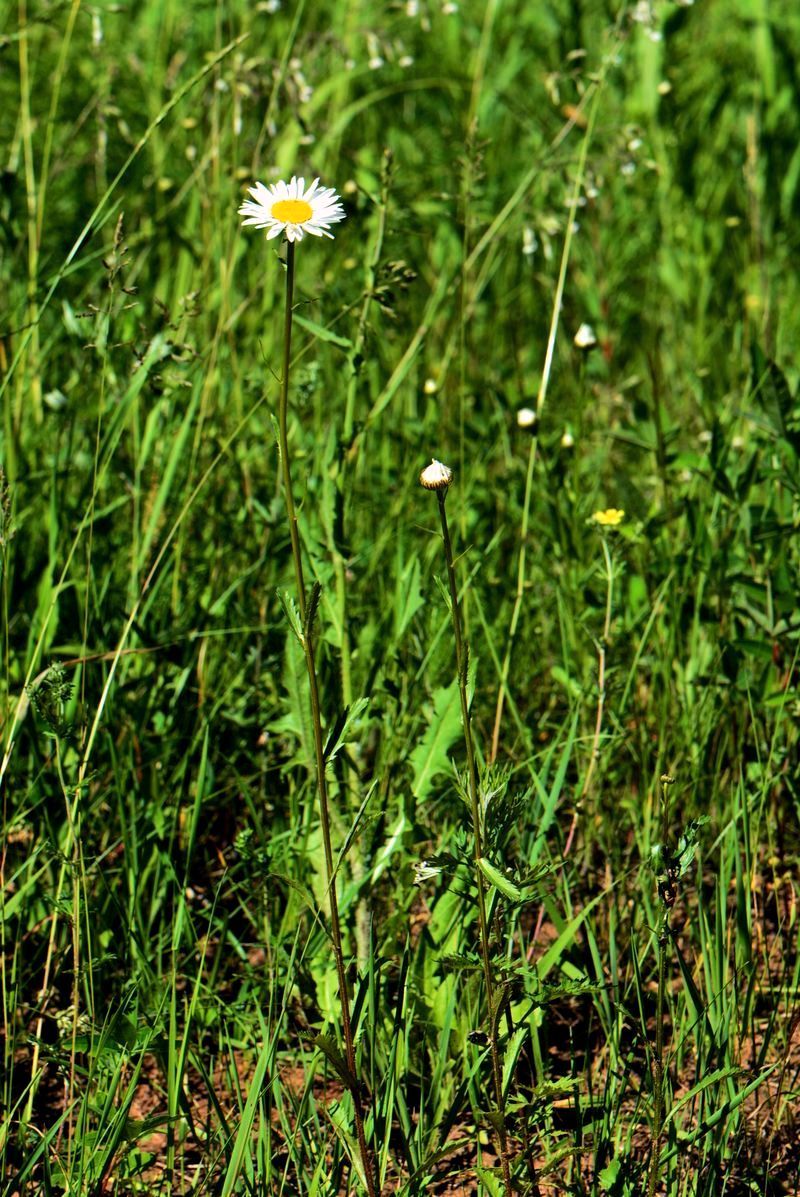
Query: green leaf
296, 720
500, 881
341, 731
292, 613
321, 333
430, 757
454, 962
312, 607
408, 597
333, 1055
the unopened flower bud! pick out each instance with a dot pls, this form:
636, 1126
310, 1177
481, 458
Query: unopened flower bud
436, 476
584, 338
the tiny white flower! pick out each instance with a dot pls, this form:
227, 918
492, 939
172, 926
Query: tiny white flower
529, 242
424, 871
449, 9
430, 386
412, 8
628, 169
375, 63
436, 476
584, 338
706, 436
56, 400
738, 442
526, 417
292, 208
406, 61
567, 440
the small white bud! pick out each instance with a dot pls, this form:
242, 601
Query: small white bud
526, 417
584, 338
567, 440
430, 386
436, 476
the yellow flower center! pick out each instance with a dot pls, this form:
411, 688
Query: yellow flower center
292, 211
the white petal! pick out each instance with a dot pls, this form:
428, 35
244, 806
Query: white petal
275, 231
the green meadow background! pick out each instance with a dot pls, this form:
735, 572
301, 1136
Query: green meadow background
510, 171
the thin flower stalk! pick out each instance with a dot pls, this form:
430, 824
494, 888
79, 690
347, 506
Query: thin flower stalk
437, 477
294, 210
316, 717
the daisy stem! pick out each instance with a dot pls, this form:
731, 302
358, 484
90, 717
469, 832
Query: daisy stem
283, 420
462, 666
316, 717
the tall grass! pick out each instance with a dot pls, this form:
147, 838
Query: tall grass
170, 1002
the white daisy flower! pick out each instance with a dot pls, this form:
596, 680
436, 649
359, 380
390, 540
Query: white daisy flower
292, 208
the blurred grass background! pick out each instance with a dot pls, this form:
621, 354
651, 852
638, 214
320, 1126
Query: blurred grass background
163, 947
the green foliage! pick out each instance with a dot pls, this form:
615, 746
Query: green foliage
165, 961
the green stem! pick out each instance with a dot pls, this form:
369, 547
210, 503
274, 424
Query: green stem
283, 423
462, 666
319, 752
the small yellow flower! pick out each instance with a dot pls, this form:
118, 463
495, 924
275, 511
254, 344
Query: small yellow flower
612, 517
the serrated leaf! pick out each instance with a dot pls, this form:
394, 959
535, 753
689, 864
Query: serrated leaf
500, 881
687, 844
297, 718
491, 1181
312, 607
292, 613
333, 1055
430, 757
454, 962
340, 732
